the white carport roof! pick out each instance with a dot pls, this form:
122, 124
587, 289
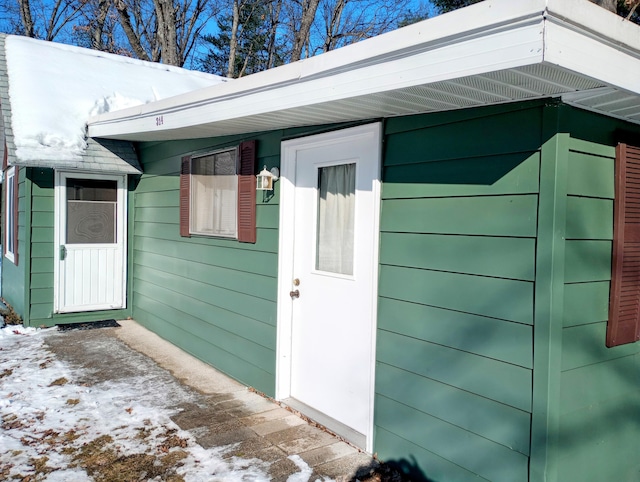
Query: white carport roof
493, 52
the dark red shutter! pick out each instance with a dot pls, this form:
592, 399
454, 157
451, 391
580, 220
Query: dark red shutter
624, 306
247, 193
16, 175
185, 197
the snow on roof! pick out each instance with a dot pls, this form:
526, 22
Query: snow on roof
54, 88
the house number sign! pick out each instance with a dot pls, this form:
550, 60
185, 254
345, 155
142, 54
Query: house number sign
159, 120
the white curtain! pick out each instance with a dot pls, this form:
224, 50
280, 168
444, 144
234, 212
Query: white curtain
214, 194
336, 216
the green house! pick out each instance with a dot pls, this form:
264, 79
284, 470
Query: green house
443, 272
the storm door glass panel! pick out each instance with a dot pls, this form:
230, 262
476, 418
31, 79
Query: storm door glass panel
214, 194
91, 211
336, 214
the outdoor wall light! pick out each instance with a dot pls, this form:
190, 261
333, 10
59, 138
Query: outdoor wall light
265, 180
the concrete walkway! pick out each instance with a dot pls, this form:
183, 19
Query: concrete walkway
224, 412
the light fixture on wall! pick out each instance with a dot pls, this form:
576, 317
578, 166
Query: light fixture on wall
265, 179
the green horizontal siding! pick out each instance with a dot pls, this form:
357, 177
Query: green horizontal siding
584, 345
589, 218
418, 462
493, 379
587, 260
496, 133
600, 386
256, 285
225, 254
601, 442
213, 297
492, 297
180, 287
488, 216
480, 176
586, 303
230, 359
483, 457
590, 175
42, 239
512, 258
470, 333
600, 383
487, 418
267, 239
456, 292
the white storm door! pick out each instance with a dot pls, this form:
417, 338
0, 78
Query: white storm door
90, 249
328, 278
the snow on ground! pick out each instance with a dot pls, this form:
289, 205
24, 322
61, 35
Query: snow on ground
50, 422
54, 88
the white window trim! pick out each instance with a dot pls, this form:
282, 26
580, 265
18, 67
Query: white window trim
9, 234
192, 209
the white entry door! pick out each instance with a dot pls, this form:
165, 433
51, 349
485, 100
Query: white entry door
328, 278
90, 249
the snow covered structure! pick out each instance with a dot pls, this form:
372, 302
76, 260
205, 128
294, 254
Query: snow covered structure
47, 93
474, 314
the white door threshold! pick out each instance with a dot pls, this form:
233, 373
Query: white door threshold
352, 436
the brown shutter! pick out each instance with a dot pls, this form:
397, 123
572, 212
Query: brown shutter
624, 306
247, 193
185, 197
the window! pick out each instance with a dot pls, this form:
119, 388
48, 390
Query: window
11, 215
91, 211
624, 305
217, 194
336, 218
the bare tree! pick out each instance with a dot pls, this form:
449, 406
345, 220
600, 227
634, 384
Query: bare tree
347, 21
139, 28
47, 20
275, 10
301, 27
163, 30
27, 20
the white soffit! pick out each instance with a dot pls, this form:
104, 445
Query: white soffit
509, 51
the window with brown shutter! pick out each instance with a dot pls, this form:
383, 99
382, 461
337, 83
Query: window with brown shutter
624, 305
217, 194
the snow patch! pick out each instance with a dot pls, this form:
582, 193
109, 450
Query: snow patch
41, 400
54, 88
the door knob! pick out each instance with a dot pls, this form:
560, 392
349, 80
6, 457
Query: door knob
294, 294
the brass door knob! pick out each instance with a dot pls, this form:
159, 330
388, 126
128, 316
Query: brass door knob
294, 294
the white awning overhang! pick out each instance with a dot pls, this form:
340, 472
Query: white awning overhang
497, 51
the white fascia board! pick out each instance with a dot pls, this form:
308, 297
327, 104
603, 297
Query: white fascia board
590, 18
583, 53
508, 43
469, 22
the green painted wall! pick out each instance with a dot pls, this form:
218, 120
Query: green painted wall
599, 432
456, 294
215, 298
13, 277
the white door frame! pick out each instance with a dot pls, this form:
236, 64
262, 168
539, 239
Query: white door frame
60, 220
287, 182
